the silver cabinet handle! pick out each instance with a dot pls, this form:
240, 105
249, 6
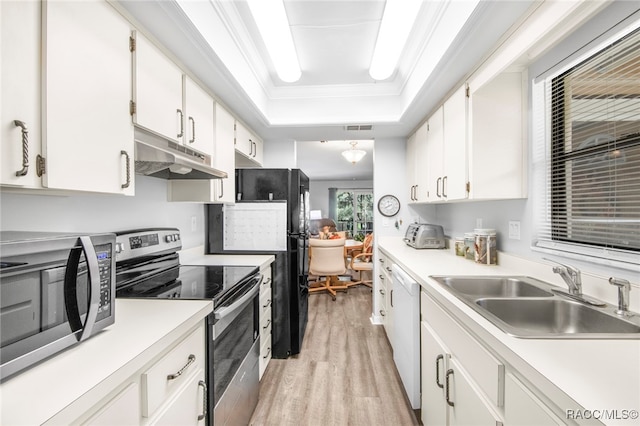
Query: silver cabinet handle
438, 359
268, 324
444, 183
268, 304
381, 277
438, 187
449, 373
25, 147
387, 268
221, 188
128, 182
193, 130
382, 312
381, 292
391, 298
203, 385
267, 281
255, 149
268, 353
190, 360
179, 111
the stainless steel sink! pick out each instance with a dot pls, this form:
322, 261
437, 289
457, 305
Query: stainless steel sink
496, 286
543, 317
529, 308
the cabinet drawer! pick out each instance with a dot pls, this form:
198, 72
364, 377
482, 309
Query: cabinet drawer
265, 354
484, 368
188, 406
522, 407
172, 370
123, 409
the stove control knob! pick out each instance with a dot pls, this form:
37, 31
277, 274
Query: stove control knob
176, 237
119, 248
168, 238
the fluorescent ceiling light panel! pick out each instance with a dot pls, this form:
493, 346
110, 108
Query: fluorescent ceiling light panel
397, 21
273, 25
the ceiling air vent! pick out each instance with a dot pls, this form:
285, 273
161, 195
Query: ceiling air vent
358, 127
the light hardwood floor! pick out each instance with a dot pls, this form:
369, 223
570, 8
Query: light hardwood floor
344, 374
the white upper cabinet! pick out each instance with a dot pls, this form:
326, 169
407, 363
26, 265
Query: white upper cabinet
248, 147
410, 166
213, 190
157, 91
454, 178
87, 135
20, 92
497, 160
433, 157
198, 112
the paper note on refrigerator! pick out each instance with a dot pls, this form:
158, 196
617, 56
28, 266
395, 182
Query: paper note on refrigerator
255, 226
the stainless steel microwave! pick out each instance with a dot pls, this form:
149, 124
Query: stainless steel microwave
56, 290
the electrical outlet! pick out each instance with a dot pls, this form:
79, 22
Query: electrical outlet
514, 230
194, 224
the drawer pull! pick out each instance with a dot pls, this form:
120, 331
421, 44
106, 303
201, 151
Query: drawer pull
381, 277
267, 281
438, 358
268, 324
25, 147
387, 268
190, 360
268, 353
449, 373
268, 304
382, 312
381, 291
203, 385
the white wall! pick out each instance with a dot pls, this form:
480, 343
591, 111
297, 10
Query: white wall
103, 213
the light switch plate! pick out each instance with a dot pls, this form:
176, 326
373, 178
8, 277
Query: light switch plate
514, 230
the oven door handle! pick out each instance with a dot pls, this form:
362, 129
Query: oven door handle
228, 310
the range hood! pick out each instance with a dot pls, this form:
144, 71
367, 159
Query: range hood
165, 159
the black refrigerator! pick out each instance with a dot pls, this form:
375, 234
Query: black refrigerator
271, 216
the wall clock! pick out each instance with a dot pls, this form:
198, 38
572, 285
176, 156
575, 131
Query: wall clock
388, 205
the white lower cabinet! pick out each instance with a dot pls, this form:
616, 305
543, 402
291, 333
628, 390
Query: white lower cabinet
385, 293
523, 408
169, 390
266, 300
463, 383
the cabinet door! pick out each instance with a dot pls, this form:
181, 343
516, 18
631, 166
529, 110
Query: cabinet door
87, 135
434, 155
199, 132
258, 149
157, 91
523, 408
435, 361
20, 38
188, 407
224, 158
389, 314
422, 164
455, 146
469, 408
243, 143
410, 166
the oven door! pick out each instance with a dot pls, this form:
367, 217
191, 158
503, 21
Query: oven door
52, 295
235, 354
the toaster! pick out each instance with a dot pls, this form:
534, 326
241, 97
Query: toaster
424, 236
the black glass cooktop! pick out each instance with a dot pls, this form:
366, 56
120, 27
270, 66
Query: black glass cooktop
189, 282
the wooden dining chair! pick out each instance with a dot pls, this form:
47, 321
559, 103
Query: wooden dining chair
362, 262
327, 260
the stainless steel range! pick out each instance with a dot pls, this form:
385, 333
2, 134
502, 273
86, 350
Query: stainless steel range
148, 266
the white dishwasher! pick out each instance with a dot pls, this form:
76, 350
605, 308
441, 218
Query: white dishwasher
406, 332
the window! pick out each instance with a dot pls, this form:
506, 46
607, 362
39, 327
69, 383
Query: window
592, 159
355, 212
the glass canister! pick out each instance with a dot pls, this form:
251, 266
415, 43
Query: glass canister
485, 246
469, 245
459, 246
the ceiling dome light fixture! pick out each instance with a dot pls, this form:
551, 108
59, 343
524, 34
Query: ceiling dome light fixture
272, 22
396, 24
353, 155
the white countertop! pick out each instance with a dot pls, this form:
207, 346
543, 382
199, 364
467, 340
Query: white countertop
141, 330
596, 374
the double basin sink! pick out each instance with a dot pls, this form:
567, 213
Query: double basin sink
529, 308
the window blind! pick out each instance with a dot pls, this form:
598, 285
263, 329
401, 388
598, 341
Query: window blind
589, 125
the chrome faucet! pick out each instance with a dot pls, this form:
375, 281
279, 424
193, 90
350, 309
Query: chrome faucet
624, 287
571, 277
